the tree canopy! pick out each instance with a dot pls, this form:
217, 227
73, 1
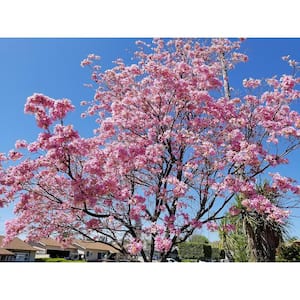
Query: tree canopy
172, 146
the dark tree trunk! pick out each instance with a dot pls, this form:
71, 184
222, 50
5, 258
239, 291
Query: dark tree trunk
263, 241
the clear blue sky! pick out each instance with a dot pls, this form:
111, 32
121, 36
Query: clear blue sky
52, 67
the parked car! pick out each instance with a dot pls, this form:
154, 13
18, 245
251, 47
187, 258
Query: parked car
170, 259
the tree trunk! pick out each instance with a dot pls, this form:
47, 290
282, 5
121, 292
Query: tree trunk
263, 241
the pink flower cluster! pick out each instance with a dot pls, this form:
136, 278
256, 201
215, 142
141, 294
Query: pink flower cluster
229, 228
179, 188
135, 247
155, 229
262, 205
89, 60
47, 110
284, 184
162, 244
212, 226
234, 211
251, 83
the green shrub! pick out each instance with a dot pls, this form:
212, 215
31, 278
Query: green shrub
215, 254
58, 259
289, 253
191, 250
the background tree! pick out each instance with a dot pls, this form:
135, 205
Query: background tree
197, 238
171, 149
195, 251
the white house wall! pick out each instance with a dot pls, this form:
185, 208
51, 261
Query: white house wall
93, 255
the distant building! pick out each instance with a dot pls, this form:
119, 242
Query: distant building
48, 247
16, 250
93, 251
6, 255
79, 249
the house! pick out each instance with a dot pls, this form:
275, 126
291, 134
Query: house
16, 250
6, 255
90, 251
48, 247
94, 251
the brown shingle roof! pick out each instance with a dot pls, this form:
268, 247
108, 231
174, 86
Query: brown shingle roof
94, 246
49, 242
5, 252
16, 244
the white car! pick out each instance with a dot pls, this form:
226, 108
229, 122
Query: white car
170, 259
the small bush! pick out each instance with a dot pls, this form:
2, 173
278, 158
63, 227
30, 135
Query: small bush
215, 254
289, 253
196, 251
58, 259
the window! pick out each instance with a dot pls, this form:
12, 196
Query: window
21, 256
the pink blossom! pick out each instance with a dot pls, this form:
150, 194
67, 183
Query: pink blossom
234, 211
2, 157
14, 155
281, 182
292, 63
196, 224
180, 189
212, 226
262, 205
239, 57
135, 247
287, 82
20, 144
93, 57
162, 244
85, 62
93, 223
229, 228
251, 83
286, 57
273, 82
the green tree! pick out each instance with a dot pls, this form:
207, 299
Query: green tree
200, 239
196, 247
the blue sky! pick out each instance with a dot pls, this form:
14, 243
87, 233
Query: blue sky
52, 67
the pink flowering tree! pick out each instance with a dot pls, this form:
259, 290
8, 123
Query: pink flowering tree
171, 148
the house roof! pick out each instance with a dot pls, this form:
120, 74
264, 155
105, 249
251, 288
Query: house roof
51, 243
5, 252
16, 244
90, 246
